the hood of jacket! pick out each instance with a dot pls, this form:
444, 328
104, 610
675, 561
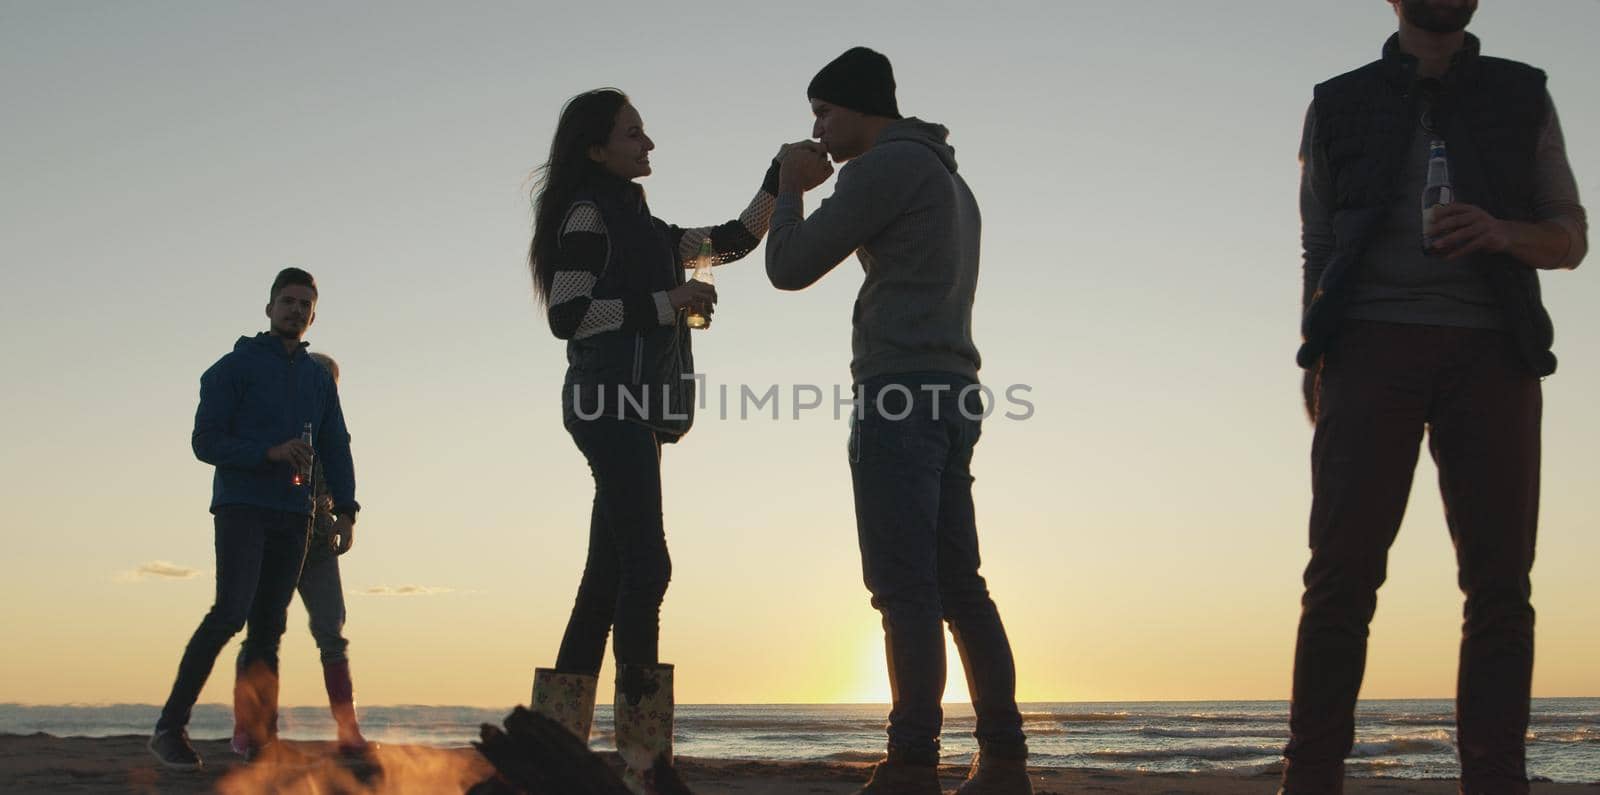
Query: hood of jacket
933, 136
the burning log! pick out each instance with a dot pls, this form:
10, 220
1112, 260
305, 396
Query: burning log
534, 755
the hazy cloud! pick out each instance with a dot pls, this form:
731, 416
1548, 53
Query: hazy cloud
161, 570
406, 590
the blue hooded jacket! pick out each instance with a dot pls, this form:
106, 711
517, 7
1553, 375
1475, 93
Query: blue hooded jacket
256, 398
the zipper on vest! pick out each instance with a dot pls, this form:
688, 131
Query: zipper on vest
638, 357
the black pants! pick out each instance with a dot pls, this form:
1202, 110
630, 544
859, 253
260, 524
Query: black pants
1382, 384
259, 553
627, 570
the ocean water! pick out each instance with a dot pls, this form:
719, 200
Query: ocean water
1402, 739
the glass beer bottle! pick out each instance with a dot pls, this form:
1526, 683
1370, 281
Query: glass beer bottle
302, 476
702, 273
1436, 193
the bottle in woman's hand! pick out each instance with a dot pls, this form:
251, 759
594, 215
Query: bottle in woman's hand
702, 273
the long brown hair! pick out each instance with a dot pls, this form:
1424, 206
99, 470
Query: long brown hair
586, 120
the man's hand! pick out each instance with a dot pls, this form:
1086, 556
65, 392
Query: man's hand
294, 452
344, 529
695, 296
803, 167
1462, 229
806, 144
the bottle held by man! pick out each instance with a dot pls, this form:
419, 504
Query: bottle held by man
302, 477
1436, 192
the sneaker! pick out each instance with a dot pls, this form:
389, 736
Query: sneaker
173, 749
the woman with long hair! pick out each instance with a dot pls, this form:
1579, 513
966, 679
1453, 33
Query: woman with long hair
612, 278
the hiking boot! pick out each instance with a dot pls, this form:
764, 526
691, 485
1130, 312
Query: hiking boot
992, 775
173, 749
892, 777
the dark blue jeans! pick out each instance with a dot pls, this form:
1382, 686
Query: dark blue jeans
259, 552
322, 592
910, 463
626, 574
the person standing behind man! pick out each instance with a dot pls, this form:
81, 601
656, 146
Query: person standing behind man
1447, 336
254, 404
900, 206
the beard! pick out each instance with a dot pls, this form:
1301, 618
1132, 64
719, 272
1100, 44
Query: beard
1436, 20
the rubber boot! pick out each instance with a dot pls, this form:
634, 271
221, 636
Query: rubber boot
644, 723
342, 703
567, 699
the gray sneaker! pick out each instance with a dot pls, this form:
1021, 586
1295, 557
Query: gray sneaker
173, 749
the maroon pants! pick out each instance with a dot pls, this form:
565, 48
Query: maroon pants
1381, 386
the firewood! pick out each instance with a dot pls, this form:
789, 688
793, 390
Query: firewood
534, 755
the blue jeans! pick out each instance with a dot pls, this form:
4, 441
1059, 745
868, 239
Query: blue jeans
259, 553
910, 463
322, 592
626, 574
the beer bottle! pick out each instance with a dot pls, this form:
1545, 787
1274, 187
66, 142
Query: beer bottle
702, 273
302, 477
1436, 193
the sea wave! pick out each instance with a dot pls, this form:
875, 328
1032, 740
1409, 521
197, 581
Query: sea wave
854, 756
717, 723
1209, 753
1436, 742
1090, 717
1169, 732
1416, 720
1585, 734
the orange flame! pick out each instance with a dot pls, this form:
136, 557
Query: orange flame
390, 770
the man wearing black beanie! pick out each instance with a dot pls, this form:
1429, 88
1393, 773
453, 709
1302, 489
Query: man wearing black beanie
902, 209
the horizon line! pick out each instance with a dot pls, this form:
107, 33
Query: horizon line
414, 705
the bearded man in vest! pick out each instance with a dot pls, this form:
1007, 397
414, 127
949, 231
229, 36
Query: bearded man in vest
1435, 328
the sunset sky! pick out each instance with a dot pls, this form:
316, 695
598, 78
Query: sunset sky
1144, 530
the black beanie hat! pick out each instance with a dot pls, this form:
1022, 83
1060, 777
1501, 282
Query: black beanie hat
861, 80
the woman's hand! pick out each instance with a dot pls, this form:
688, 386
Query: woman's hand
694, 296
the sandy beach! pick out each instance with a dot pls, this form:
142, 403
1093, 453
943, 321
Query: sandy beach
43, 763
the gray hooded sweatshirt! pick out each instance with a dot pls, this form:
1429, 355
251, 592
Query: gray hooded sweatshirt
914, 225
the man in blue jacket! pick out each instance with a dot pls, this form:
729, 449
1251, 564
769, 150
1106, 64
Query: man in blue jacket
255, 403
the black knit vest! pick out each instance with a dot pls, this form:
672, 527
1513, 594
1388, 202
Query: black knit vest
1489, 111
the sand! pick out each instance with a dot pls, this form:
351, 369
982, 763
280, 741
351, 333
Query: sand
42, 763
